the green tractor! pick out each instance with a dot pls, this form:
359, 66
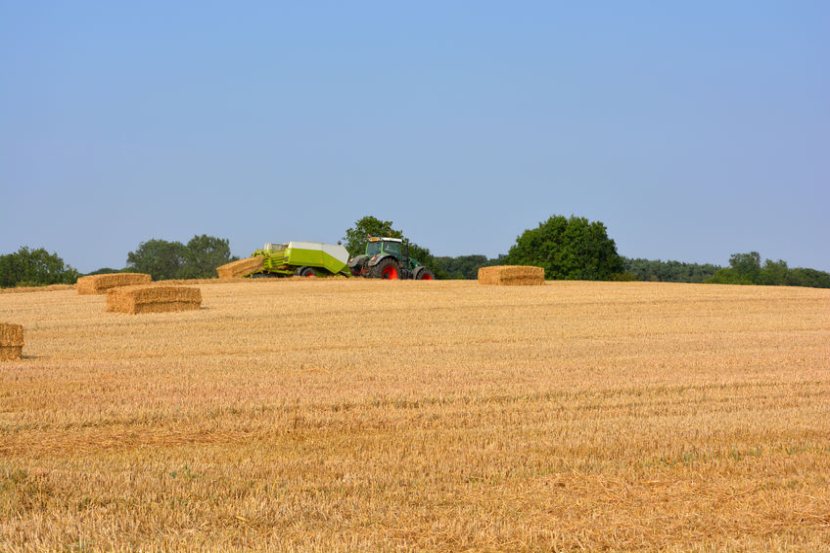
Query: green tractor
388, 258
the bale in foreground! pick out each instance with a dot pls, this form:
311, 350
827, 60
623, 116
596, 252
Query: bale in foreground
241, 268
511, 275
153, 299
99, 284
11, 341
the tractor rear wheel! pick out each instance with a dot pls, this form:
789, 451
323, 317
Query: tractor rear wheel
387, 269
422, 273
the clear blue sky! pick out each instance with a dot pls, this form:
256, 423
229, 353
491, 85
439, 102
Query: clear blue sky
692, 130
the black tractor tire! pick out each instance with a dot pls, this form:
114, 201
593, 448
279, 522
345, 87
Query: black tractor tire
422, 273
306, 272
387, 269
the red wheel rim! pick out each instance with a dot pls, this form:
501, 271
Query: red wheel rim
426, 277
390, 272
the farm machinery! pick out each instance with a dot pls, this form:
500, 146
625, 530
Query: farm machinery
385, 258
388, 258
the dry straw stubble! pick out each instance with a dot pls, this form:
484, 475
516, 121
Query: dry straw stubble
241, 268
11, 341
602, 417
153, 299
99, 284
511, 275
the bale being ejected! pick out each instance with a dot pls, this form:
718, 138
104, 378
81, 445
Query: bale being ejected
385, 258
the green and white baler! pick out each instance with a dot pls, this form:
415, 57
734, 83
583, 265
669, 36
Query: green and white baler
303, 259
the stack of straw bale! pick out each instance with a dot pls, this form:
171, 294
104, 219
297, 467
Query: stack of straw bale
99, 284
241, 268
153, 299
511, 275
11, 341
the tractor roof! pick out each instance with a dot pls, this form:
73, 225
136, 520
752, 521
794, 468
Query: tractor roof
379, 239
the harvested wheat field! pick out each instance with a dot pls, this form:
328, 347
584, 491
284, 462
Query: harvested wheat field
352, 415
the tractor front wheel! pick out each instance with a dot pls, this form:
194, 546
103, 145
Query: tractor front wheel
424, 274
387, 269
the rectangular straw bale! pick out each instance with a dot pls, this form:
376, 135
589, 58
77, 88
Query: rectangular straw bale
11, 341
511, 275
153, 299
99, 284
241, 268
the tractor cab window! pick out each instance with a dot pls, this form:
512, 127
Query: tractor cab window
373, 248
392, 247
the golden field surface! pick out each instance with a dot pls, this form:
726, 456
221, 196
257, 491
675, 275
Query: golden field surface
354, 415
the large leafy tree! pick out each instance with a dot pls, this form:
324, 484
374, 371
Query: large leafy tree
159, 258
568, 248
357, 236
746, 265
203, 254
27, 267
744, 268
165, 260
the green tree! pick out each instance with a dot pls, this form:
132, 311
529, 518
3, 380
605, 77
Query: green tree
747, 266
774, 273
159, 258
203, 254
356, 237
461, 267
27, 267
166, 260
744, 268
656, 270
568, 248
800, 276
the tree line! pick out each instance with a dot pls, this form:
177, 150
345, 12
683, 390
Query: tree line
38, 267
567, 248
171, 260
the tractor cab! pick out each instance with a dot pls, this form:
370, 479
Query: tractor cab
380, 246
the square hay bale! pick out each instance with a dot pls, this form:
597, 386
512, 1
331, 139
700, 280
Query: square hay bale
11, 341
99, 284
153, 299
241, 268
511, 275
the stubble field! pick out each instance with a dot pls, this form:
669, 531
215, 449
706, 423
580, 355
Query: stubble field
349, 415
